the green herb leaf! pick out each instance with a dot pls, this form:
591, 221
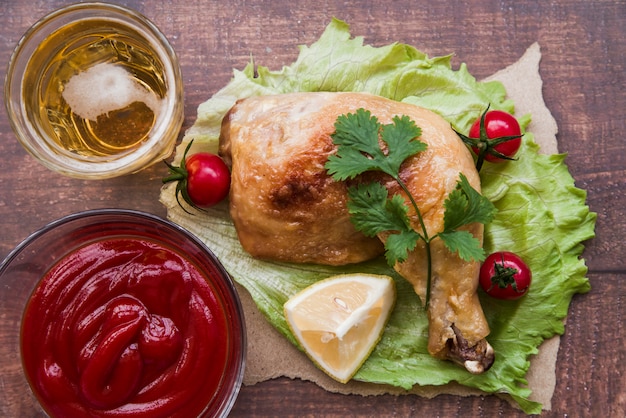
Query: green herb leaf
398, 245
463, 243
372, 212
400, 139
358, 148
356, 136
465, 205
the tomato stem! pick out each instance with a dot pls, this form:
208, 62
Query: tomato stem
504, 276
180, 175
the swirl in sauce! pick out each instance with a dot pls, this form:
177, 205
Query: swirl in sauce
124, 327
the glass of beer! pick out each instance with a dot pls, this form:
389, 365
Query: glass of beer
94, 91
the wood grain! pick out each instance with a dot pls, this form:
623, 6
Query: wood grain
583, 46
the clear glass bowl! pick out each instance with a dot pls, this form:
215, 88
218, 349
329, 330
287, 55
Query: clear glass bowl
25, 266
95, 91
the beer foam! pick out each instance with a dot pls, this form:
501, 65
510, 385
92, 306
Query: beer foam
103, 88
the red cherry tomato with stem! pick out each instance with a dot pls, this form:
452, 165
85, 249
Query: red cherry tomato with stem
495, 136
203, 180
504, 275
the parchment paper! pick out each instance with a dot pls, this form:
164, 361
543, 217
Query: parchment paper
270, 355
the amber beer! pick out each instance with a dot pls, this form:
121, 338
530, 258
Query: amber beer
100, 94
95, 91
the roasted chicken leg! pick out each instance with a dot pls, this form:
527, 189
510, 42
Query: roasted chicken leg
285, 206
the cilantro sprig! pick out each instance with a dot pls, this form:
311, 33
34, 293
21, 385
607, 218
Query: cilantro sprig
358, 137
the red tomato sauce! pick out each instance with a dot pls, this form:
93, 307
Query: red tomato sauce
124, 327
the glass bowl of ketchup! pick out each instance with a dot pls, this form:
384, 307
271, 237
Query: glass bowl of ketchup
118, 313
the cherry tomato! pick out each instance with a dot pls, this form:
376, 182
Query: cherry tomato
504, 275
501, 138
203, 180
208, 180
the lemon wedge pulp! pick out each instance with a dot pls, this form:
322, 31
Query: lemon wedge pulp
338, 321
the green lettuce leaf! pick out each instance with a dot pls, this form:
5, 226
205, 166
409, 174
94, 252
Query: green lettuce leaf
542, 216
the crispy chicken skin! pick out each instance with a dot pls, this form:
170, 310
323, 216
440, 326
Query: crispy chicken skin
285, 207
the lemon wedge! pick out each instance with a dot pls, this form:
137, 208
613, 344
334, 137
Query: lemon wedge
338, 321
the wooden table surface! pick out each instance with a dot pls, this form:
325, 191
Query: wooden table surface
583, 44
